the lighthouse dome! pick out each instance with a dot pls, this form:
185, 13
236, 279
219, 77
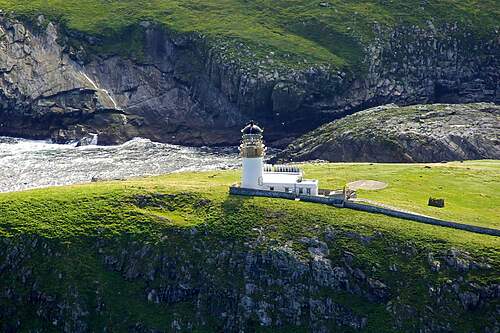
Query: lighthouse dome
251, 128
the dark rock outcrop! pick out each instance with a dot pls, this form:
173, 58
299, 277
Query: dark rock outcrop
186, 90
420, 133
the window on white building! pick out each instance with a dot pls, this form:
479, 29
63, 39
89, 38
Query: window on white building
301, 190
308, 191
271, 188
287, 189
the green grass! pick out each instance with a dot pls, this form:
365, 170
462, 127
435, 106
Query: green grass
177, 212
293, 29
470, 189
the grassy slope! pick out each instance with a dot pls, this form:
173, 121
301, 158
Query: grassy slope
470, 189
71, 217
295, 29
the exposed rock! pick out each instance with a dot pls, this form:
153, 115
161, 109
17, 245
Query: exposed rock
379, 289
90, 139
241, 289
435, 264
421, 133
185, 90
469, 300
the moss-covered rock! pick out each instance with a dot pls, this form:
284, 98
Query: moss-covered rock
418, 133
177, 253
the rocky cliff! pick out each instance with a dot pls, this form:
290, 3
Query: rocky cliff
419, 133
184, 88
187, 282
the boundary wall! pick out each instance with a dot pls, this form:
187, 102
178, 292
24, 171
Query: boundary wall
339, 201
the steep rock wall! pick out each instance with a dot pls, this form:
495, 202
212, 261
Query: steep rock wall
186, 90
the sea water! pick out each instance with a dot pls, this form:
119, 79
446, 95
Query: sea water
26, 164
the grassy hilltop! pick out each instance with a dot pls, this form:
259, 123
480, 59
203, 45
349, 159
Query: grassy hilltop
470, 189
298, 31
80, 225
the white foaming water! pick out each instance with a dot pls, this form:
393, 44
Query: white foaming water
26, 164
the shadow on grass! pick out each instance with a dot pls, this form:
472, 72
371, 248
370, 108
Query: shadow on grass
233, 203
238, 216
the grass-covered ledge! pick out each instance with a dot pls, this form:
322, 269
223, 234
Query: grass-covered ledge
298, 33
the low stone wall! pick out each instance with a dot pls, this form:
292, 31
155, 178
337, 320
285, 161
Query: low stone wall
341, 203
332, 201
260, 193
420, 218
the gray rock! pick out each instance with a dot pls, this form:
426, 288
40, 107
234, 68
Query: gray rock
190, 91
458, 260
420, 133
469, 300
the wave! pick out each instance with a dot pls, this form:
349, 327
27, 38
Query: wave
26, 164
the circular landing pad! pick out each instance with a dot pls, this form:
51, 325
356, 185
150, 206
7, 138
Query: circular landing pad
367, 185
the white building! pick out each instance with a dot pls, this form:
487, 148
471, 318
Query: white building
260, 176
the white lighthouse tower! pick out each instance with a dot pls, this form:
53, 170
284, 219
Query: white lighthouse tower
252, 150
259, 176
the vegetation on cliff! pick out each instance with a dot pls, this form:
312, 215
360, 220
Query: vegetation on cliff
144, 253
297, 32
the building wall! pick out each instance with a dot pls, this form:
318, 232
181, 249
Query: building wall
296, 188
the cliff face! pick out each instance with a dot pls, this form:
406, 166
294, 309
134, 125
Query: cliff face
178, 253
48, 92
418, 133
185, 89
189, 282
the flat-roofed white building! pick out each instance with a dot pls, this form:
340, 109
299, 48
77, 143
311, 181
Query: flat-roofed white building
257, 175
